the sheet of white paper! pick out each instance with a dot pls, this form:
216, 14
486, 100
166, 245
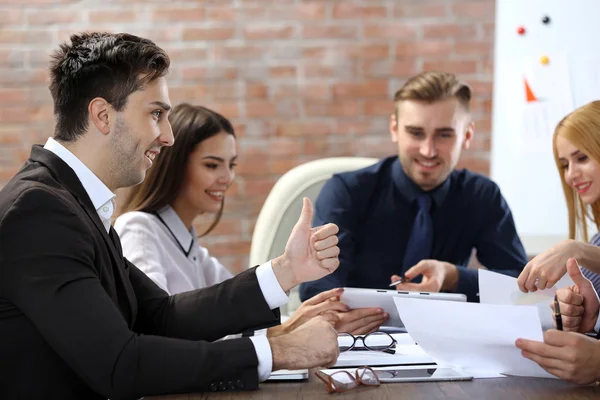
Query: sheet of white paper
495, 288
407, 353
474, 337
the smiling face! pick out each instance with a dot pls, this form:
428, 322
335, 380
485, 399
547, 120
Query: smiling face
209, 173
579, 171
140, 130
430, 137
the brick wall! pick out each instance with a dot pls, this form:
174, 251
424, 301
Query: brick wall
300, 79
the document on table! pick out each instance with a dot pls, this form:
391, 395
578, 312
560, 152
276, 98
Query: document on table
479, 338
495, 288
407, 353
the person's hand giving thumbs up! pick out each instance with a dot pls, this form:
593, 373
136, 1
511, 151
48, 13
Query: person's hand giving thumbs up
578, 303
310, 253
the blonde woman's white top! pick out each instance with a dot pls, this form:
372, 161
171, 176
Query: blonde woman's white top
162, 247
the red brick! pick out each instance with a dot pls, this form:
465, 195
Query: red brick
113, 16
259, 186
268, 31
329, 32
219, 73
14, 114
388, 68
237, 52
220, 13
260, 109
282, 146
410, 50
302, 129
346, 10
10, 16
53, 17
12, 58
31, 77
303, 11
255, 90
336, 109
229, 110
473, 47
14, 36
452, 30
402, 10
187, 53
479, 87
390, 30
457, 67
212, 33
283, 71
13, 97
171, 14
229, 248
282, 165
379, 107
12, 135
252, 166
474, 9
365, 51
375, 88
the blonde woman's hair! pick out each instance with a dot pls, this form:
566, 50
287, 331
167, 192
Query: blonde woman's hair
582, 129
432, 86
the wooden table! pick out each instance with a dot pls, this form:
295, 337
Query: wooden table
486, 389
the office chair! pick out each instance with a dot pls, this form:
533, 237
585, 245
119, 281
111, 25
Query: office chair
281, 209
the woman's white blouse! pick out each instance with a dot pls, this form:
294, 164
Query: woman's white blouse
161, 246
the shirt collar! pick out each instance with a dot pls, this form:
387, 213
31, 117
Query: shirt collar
410, 190
98, 192
171, 219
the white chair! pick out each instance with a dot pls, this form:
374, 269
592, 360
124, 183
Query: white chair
281, 209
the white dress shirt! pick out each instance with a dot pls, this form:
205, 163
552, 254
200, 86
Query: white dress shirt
165, 250
103, 200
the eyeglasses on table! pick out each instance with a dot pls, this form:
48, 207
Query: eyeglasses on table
375, 341
341, 381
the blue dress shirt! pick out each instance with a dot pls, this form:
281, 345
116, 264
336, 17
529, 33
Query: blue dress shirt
374, 208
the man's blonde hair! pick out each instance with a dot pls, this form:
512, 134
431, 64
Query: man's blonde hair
432, 86
582, 129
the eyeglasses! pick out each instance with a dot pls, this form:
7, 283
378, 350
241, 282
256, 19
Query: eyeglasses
341, 381
376, 341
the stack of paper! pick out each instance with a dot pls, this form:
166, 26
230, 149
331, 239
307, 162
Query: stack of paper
479, 338
496, 288
407, 353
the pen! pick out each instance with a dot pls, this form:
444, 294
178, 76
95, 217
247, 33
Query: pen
557, 315
399, 281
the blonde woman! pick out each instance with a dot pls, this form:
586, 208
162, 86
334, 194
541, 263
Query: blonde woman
576, 147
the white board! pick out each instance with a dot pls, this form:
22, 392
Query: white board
521, 161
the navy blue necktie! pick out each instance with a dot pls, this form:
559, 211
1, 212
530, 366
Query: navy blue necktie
421, 236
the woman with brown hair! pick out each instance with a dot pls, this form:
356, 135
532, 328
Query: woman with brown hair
191, 178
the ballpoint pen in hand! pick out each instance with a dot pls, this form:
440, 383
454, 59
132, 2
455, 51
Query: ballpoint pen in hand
557, 315
399, 281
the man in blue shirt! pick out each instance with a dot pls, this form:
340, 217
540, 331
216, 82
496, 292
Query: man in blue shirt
415, 215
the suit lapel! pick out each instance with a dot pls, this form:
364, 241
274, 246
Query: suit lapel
67, 177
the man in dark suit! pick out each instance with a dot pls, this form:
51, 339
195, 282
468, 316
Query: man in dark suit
414, 214
77, 320
570, 354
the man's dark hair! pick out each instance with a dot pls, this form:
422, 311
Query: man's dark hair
106, 65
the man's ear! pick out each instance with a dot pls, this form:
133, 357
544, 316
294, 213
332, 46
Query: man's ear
99, 110
394, 128
469, 135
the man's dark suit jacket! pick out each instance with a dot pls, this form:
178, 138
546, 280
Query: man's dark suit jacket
79, 321
375, 209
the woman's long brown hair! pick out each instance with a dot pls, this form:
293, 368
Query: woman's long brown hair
191, 126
